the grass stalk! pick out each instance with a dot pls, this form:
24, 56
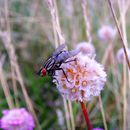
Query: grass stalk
119, 31
11, 52
88, 35
59, 39
5, 86
66, 114
86, 19
14, 86
103, 113
9, 40
124, 95
122, 9
71, 115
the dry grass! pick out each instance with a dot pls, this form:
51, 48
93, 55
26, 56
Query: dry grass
28, 32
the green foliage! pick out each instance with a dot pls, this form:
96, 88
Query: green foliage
32, 37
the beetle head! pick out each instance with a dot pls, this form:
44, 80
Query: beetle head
42, 72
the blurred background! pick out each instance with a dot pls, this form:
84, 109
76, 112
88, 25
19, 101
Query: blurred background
27, 39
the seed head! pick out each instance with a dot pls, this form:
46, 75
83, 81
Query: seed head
106, 33
120, 56
86, 48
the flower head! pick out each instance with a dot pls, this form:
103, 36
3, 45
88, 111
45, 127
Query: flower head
17, 119
86, 48
120, 56
97, 129
106, 33
84, 79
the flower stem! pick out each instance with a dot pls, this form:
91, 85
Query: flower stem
84, 109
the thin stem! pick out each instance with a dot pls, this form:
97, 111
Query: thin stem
122, 8
14, 86
6, 89
5, 85
66, 114
71, 115
13, 59
9, 37
86, 19
84, 109
124, 95
103, 113
59, 38
119, 31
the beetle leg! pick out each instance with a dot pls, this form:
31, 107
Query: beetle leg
63, 73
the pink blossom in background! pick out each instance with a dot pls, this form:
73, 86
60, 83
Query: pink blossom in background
86, 48
17, 119
106, 33
120, 56
97, 129
86, 79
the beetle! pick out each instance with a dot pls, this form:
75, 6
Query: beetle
54, 62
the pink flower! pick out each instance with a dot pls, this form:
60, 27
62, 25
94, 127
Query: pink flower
17, 119
86, 48
120, 56
85, 76
106, 33
97, 129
